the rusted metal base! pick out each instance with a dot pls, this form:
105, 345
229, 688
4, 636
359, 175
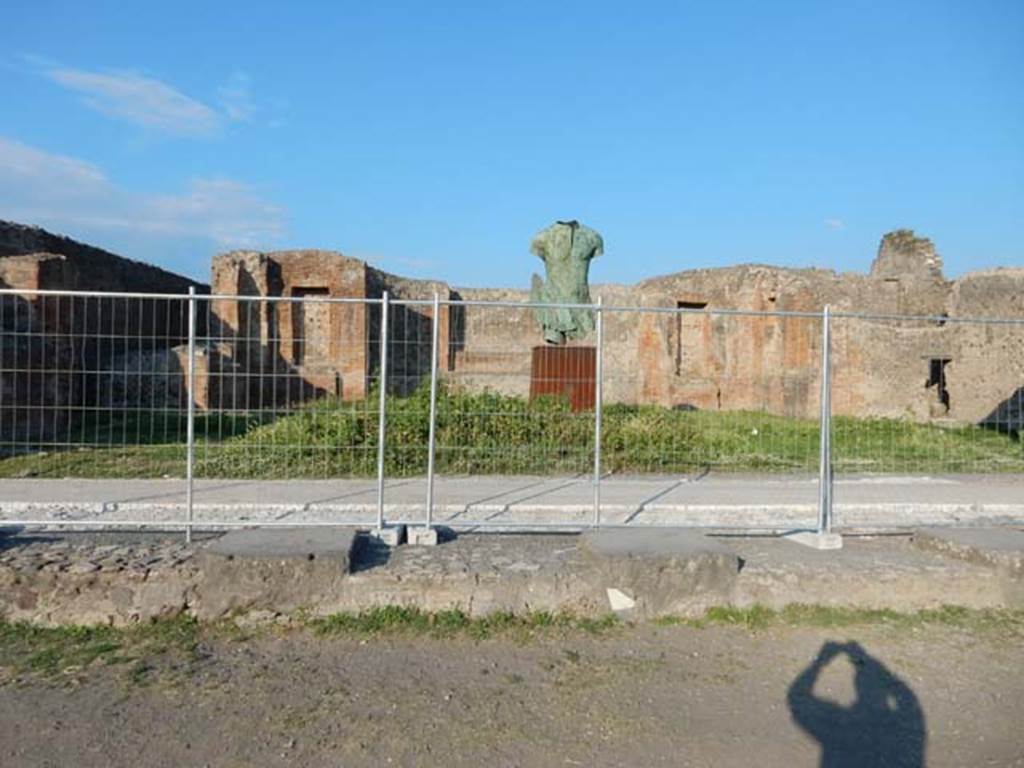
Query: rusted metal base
566, 371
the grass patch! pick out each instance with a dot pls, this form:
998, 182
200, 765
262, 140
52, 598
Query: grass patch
489, 433
52, 652
48, 651
758, 617
146, 651
413, 622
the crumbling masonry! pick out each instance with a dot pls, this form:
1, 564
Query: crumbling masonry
262, 352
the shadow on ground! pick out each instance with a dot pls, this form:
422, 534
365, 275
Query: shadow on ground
883, 726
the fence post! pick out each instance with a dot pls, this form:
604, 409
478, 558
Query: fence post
190, 391
825, 458
381, 420
598, 400
434, 350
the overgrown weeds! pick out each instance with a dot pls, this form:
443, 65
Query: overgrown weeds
491, 433
412, 622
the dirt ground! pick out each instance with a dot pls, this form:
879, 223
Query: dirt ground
633, 696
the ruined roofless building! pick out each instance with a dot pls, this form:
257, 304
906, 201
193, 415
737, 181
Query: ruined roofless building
922, 370
57, 351
314, 347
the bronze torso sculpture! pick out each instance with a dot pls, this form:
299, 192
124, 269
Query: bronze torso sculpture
566, 247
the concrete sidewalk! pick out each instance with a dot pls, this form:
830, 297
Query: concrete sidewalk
754, 503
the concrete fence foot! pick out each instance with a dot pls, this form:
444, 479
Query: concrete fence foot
424, 537
392, 535
816, 540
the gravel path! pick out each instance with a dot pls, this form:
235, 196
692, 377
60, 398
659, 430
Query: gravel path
639, 696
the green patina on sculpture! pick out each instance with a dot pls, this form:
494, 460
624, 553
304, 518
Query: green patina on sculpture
566, 247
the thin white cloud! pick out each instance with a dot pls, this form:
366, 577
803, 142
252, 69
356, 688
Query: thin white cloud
236, 97
140, 100
62, 174
835, 224
40, 187
227, 211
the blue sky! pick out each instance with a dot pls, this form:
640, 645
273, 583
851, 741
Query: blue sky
434, 139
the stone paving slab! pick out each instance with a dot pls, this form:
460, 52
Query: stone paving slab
648, 572
1001, 547
287, 543
724, 501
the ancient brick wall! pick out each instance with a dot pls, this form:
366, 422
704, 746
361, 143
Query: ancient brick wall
708, 361
256, 353
70, 350
93, 268
410, 328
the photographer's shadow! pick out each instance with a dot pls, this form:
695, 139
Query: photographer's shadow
884, 726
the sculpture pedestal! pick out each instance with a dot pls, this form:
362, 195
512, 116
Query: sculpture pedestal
566, 371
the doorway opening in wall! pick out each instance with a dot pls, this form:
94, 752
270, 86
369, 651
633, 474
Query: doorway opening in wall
309, 325
680, 326
937, 378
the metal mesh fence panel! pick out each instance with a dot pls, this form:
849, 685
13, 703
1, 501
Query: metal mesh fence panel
694, 391
927, 396
515, 418
926, 420
510, 405
309, 408
92, 385
284, 388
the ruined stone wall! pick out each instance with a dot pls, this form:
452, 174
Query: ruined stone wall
321, 347
94, 332
491, 346
410, 331
693, 359
287, 350
91, 269
712, 361
37, 383
986, 374
258, 353
61, 360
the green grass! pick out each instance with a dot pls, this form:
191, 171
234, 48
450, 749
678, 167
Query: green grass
759, 617
404, 621
148, 650
488, 433
60, 651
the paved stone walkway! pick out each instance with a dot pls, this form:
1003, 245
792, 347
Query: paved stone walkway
739, 502
78, 554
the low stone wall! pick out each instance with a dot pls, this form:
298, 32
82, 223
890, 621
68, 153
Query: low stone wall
120, 579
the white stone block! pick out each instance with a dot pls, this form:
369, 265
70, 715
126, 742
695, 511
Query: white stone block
816, 540
424, 537
392, 535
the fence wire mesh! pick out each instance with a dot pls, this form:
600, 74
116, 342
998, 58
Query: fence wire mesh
927, 396
281, 394
294, 388
695, 391
92, 386
507, 404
